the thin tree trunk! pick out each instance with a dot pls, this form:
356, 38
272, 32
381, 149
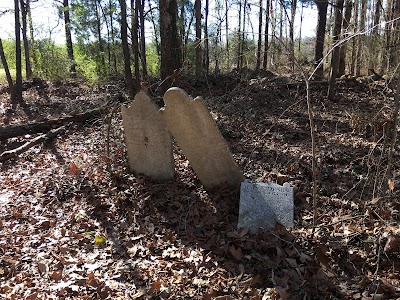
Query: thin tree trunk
206, 44
18, 61
197, 45
355, 39
68, 38
228, 63
301, 24
7, 70
243, 34
343, 48
114, 56
361, 38
125, 50
24, 13
291, 33
322, 6
142, 40
336, 50
101, 63
266, 45
239, 36
258, 63
31, 36
135, 38
388, 34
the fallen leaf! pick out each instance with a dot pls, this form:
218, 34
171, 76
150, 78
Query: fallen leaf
236, 252
56, 275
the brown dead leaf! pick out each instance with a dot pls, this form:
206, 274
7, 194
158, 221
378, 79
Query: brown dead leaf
56, 275
236, 252
392, 243
43, 268
155, 287
390, 184
74, 169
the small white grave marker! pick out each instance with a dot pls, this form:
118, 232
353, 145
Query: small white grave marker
264, 204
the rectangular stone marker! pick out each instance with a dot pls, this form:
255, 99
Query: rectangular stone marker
198, 136
147, 140
264, 204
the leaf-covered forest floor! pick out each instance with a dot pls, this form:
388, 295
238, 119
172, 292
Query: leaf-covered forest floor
74, 224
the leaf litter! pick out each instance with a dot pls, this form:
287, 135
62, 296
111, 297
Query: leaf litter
73, 228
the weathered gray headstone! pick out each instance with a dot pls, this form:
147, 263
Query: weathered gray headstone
196, 133
147, 140
264, 204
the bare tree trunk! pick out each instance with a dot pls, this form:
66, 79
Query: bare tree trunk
142, 40
258, 63
361, 38
198, 51
206, 44
24, 14
293, 7
322, 6
17, 99
135, 37
68, 38
266, 44
114, 56
101, 60
388, 34
343, 47
239, 36
243, 34
32, 39
228, 62
336, 50
170, 45
355, 39
125, 49
7, 70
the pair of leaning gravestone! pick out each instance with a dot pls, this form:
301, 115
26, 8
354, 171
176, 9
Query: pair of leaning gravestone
148, 140
149, 147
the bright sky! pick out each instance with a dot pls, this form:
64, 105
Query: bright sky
47, 23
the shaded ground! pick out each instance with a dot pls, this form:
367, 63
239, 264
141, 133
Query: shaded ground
75, 225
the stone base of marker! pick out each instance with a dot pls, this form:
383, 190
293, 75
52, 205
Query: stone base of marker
264, 204
147, 139
198, 136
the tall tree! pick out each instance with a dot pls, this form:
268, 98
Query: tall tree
125, 49
266, 44
24, 15
170, 45
6, 70
68, 37
134, 36
206, 41
361, 38
259, 43
197, 45
17, 95
322, 6
343, 47
355, 39
336, 50
142, 39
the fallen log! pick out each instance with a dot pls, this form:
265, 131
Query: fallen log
10, 131
37, 140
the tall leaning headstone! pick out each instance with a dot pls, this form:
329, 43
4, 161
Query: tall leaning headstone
198, 136
147, 140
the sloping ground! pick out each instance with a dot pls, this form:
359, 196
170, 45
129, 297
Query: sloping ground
75, 225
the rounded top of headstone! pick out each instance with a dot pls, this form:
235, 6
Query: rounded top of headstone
286, 185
